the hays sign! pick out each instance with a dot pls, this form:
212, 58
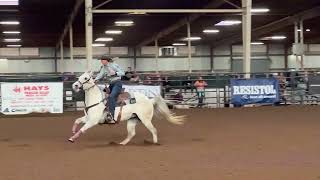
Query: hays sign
24, 98
29, 90
254, 91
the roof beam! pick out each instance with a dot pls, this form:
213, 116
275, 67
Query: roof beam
102, 4
70, 21
180, 23
271, 27
137, 11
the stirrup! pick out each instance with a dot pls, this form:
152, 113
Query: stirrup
109, 119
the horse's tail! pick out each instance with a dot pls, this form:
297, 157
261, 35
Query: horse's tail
161, 111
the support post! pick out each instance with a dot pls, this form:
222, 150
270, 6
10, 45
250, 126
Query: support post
246, 36
296, 33
286, 64
157, 55
61, 57
74, 13
189, 46
211, 59
89, 24
296, 40
71, 46
55, 61
302, 42
135, 58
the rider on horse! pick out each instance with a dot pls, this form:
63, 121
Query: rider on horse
113, 72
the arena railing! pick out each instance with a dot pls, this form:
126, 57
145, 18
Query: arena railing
297, 87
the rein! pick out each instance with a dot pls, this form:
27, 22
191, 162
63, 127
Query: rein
93, 105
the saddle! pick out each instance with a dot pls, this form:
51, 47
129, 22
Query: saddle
123, 97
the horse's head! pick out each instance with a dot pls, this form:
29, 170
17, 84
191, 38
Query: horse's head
85, 81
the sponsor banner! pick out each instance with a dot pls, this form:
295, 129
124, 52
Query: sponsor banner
254, 91
149, 91
25, 98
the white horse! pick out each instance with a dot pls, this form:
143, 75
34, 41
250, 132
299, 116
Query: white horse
143, 110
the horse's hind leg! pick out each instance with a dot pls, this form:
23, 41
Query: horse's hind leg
152, 129
131, 127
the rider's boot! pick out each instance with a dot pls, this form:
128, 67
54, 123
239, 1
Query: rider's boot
109, 119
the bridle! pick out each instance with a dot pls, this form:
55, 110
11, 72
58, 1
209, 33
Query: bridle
85, 83
93, 105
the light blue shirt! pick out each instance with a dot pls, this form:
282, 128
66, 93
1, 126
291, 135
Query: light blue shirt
105, 71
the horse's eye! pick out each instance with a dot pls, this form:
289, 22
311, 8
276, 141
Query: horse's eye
85, 78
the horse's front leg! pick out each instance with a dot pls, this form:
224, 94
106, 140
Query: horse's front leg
75, 136
89, 124
76, 124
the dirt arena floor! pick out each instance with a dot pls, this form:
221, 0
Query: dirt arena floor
265, 143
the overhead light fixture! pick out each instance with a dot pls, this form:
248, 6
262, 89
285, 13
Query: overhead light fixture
104, 39
191, 39
274, 38
228, 23
260, 10
124, 23
210, 31
9, 2
257, 43
167, 47
113, 32
138, 13
307, 30
278, 37
98, 45
179, 44
14, 45
12, 40
9, 22
3, 59
11, 32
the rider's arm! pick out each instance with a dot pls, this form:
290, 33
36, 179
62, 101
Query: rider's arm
101, 73
118, 70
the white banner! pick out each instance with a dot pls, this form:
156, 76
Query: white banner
149, 91
24, 98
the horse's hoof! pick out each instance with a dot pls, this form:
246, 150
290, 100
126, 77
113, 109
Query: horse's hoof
147, 142
71, 140
151, 143
114, 144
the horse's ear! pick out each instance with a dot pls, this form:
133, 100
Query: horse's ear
90, 72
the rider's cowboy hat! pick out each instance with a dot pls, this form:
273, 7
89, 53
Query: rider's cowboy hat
106, 57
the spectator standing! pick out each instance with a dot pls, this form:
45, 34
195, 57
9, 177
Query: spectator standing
200, 85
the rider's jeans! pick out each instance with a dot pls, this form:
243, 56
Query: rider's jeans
115, 90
